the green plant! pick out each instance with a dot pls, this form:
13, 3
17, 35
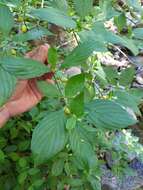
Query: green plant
78, 113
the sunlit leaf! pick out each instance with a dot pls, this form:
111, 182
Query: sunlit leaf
80, 54
7, 85
108, 114
54, 16
31, 35
6, 19
23, 68
74, 85
49, 90
77, 105
83, 7
49, 136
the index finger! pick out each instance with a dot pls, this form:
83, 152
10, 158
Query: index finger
39, 54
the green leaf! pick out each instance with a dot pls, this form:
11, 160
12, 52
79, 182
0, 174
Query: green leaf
127, 76
74, 85
108, 114
7, 85
58, 167
83, 7
105, 37
22, 162
2, 156
80, 54
128, 43
52, 57
12, 2
33, 171
48, 89
108, 10
88, 133
127, 100
71, 123
49, 136
138, 33
54, 16
95, 182
120, 21
136, 4
77, 105
82, 149
31, 35
23, 68
6, 19
30, 187
22, 177
137, 93
89, 93
60, 5
38, 183
110, 37
75, 182
111, 74
23, 145
100, 75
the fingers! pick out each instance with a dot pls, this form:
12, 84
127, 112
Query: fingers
21, 85
4, 116
46, 76
39, 54
50, 81
29, 98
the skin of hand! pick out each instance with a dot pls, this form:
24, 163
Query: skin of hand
26, 94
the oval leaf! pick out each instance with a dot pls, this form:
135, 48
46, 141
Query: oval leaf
83, 7
108, 114
77, 105
7, 85
54, 16
127, 76
6, 19
23, 68
60, 5
31, 35
49, 136
127, 100
49, 90
82, 148
80, 54
74, 85
58, 167
52, 57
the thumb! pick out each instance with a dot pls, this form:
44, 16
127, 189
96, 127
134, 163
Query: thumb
39, 54
4, 116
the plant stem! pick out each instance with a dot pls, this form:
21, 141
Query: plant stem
60, 90
98, 89
123, 54
42, 4
75, 37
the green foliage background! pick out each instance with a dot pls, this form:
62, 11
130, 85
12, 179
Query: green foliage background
75, 124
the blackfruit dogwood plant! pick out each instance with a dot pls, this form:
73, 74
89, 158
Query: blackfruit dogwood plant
72, 137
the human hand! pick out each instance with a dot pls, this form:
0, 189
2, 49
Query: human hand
26, 94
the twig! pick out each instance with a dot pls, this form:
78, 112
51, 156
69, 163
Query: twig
98, 89
131, 20
75, 37
42, 4
65, 44
123, 54
60, 90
